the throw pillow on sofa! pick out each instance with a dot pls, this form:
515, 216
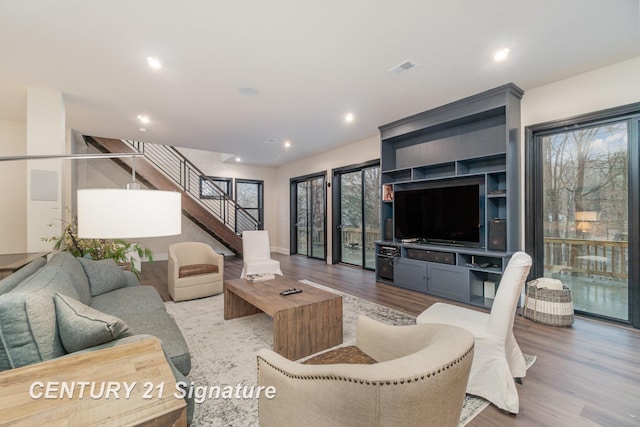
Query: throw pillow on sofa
104, 275
81, 326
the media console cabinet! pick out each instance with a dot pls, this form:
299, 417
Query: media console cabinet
475, 140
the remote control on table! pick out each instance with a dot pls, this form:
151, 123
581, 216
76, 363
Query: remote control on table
290, 291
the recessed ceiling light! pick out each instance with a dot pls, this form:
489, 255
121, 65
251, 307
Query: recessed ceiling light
144, 119
501, 54
143, 129
154, 63
238, 159
348, 117
248, 91
287, 144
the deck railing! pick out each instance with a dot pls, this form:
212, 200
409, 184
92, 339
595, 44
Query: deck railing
595, 257
184, 173
352, 237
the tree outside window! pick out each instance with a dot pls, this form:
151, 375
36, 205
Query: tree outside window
212, 187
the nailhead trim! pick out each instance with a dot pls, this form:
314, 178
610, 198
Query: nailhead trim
401, 381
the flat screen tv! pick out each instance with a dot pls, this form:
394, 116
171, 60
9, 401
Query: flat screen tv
440, 215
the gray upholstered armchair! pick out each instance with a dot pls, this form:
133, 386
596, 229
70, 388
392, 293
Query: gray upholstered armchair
195, 271
419, 379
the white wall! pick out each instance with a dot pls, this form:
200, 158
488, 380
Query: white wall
13, 188
211, 164
354, 153
46, 134
607, 87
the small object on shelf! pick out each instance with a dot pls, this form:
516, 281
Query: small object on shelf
260, 277
489, 289
392, 251
409, 240
387, 192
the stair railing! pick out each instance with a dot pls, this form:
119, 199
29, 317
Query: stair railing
184, 173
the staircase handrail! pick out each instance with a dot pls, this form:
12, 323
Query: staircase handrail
187, 175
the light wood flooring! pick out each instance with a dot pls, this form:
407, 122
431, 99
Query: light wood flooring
585, 375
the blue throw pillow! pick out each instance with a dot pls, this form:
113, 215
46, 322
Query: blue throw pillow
104, 275
81, 326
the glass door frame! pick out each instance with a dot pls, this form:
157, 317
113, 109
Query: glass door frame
293, 215
336, 211
534, 193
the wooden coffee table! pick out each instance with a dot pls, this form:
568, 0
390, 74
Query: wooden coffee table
303, 323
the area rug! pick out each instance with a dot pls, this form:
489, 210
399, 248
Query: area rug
223, 353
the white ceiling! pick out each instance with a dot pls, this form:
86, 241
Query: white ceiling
311, 62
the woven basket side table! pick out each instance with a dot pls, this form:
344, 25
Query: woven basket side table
549, 306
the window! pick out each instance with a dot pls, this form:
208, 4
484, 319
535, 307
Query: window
212, 187
249, 198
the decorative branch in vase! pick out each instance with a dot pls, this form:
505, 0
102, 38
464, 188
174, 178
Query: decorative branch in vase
118, 250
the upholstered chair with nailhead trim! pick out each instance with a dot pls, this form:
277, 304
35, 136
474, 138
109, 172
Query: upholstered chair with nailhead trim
416, 375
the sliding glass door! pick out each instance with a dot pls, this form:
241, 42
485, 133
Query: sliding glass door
308, 216
584, 184
356, 214
586, 217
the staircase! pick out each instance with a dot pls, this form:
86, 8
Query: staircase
164, 168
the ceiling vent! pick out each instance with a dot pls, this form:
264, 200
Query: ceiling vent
402, 67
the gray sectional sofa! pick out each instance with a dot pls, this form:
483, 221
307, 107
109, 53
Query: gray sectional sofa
50, 309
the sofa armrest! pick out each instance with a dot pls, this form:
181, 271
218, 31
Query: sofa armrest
183, 382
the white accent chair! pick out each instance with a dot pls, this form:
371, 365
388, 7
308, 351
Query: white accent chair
419, 379
256, 254
497, 359
195, 270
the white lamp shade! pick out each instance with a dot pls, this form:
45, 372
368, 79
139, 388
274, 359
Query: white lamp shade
125, 214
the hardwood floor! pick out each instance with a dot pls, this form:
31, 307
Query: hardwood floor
587, 375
